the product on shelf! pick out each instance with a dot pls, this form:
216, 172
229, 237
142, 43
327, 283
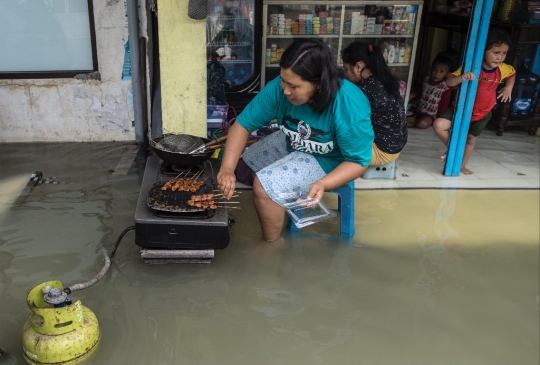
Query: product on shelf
390, 26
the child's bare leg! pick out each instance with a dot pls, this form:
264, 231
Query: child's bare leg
424, 122
469, 148
441, 126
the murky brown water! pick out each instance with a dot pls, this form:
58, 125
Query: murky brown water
431, 276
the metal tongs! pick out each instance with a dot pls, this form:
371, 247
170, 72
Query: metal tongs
216, 143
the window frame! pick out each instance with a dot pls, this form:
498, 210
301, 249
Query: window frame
61, 74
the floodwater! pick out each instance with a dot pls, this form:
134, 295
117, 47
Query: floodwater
431, 276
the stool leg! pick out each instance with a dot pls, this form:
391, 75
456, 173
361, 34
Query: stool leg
291, 226
346, 207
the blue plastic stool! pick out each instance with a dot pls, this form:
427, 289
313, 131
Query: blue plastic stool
345, 206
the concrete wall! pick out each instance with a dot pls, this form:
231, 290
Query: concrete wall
76, 110
183, 68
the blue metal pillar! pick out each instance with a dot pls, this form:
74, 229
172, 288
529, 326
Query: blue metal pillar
474, 53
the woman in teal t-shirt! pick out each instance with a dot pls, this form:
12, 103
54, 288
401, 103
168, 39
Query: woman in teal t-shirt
324, 140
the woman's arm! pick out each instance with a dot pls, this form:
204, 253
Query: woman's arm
341, 175
263, 107
236, 142
354, 135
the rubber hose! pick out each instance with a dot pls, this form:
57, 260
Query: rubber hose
91, 282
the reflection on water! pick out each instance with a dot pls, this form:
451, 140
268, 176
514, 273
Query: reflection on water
10, 188
291, 308
431, 277
434, 263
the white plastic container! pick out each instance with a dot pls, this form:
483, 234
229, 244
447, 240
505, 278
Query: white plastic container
391, 53
401, 54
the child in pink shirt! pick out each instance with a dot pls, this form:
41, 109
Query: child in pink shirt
435, 95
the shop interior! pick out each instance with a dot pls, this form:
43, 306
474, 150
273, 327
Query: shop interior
444, 31
441, 30
441, 270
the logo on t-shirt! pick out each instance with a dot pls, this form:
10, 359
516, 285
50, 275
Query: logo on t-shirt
304, 138
304, 130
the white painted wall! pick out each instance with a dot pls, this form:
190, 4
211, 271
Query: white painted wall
52, 110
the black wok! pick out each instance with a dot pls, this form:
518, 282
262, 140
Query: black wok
183, 159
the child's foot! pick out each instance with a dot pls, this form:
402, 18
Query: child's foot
443, 157
466, 171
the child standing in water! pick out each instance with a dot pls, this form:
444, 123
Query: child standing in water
435, 94
494, 71
365, 66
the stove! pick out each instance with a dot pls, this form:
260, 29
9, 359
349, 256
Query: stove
179, 237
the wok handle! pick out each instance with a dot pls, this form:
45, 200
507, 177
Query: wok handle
215, 147
216, 141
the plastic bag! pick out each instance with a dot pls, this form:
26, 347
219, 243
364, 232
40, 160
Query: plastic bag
215, 83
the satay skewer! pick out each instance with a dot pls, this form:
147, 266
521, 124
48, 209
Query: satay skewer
202, 197
193, 202
180, 174
177, 185
197, 175
211, 200
209, 197
167, 185
221, 195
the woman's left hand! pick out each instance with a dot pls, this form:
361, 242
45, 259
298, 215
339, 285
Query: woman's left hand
226, 182
316, 191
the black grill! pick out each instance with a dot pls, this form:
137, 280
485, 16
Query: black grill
192, 229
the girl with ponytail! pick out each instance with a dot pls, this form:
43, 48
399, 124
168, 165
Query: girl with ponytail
365, 66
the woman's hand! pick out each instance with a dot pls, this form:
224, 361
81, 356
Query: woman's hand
226, 182
236, 142
316, 191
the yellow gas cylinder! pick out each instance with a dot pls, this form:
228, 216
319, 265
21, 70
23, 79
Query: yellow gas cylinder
56, 332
